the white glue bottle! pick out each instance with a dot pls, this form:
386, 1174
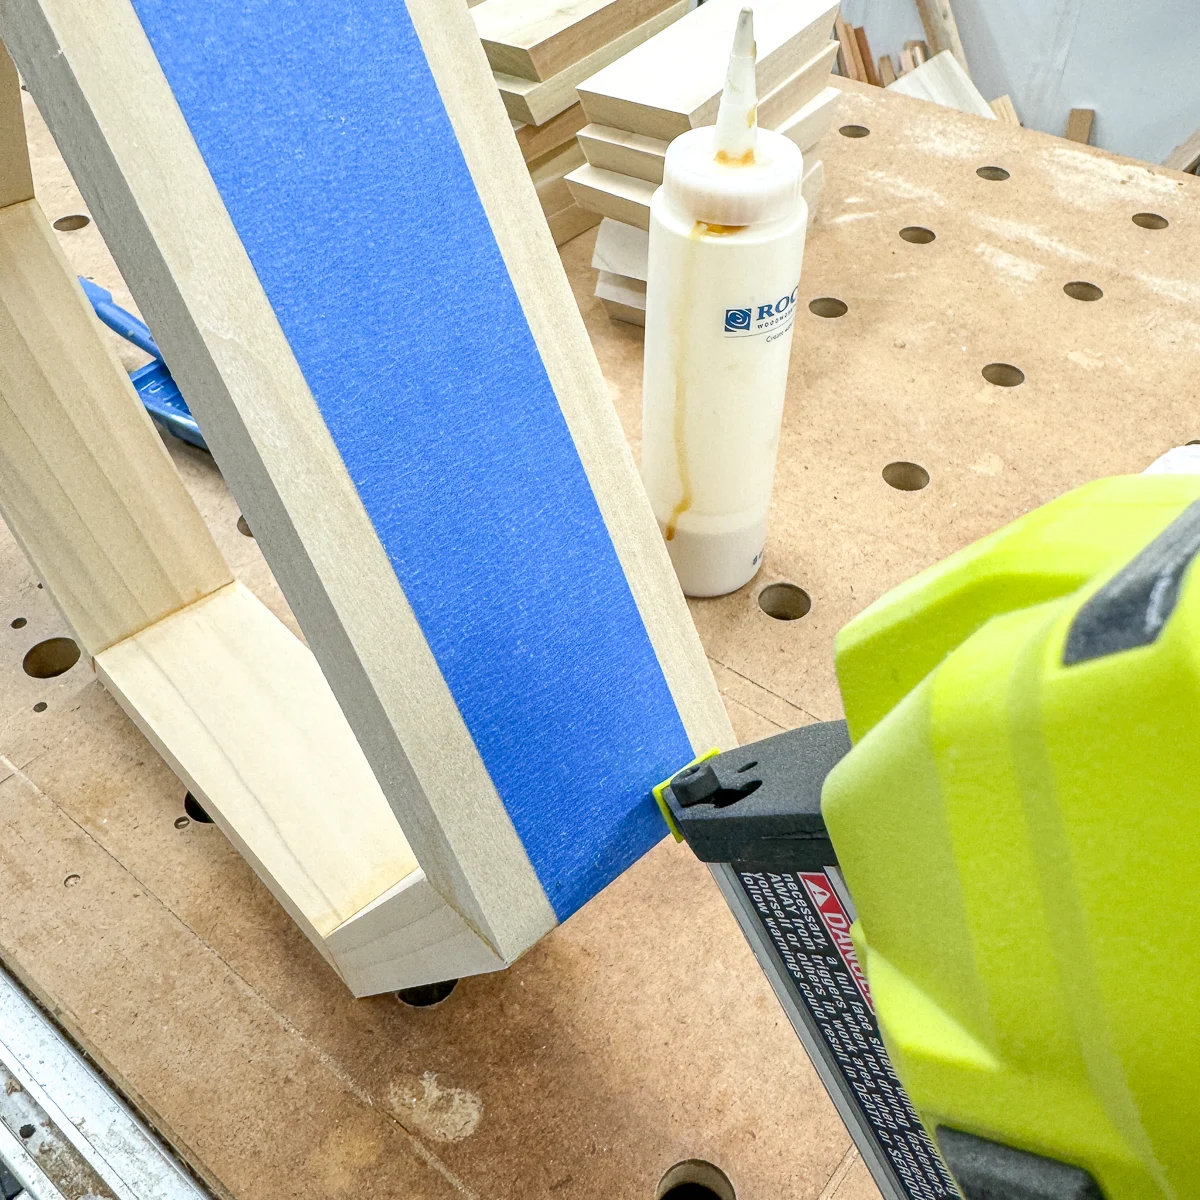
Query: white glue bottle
726, 243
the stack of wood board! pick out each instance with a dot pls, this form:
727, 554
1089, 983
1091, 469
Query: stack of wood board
672, 83
538, 51
550, 152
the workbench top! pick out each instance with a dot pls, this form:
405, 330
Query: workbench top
640, 1032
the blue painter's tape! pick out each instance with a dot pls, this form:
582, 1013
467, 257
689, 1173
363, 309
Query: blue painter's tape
324, 131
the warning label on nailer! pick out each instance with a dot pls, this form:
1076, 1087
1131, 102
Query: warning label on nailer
810, 932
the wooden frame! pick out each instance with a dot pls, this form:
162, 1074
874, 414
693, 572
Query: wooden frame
489, 858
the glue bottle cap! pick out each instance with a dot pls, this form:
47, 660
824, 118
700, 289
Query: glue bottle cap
734, 173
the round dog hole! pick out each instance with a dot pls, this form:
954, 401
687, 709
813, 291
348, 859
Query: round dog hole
695, 1179
784, 601
1003, 374
828, 306
906, 476
54, 656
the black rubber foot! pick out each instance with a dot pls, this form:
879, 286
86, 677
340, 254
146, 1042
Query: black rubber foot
426, 994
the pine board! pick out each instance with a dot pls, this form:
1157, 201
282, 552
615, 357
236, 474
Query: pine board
191, 683
621, 249
536, 39
536, 102
539, 140
74, 478
673, 82
805, 122
942, 80
16, 183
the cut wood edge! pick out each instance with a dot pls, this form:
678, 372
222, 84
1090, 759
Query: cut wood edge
642, 157
407, 937
624, 312
570, 222
1079, 125
518, 40
627, 201
622, 249
538, 102
812, 120
536, 141
16, 177
622, 289
631, 154
1186, 156
86, 484
1004, 109
611, 195
795, 92
556, 164
673, 82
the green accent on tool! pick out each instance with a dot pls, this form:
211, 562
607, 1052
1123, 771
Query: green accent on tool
1019, 826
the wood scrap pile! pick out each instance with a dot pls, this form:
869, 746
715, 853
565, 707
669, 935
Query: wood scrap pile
672, 83
539, 50
934, 68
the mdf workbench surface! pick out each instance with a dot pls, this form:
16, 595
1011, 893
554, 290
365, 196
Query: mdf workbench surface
641, 1031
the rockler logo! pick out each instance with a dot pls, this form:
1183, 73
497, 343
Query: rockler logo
772, 319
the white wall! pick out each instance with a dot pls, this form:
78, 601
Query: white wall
1133, 61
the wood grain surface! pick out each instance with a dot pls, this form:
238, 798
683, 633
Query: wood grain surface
538, 39
640, 1032
238, 707
83, 477
16, 183
537, 102
673, 82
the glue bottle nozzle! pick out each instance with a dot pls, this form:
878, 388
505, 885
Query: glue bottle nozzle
737, 118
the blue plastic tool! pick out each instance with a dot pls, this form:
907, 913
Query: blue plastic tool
158, 391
